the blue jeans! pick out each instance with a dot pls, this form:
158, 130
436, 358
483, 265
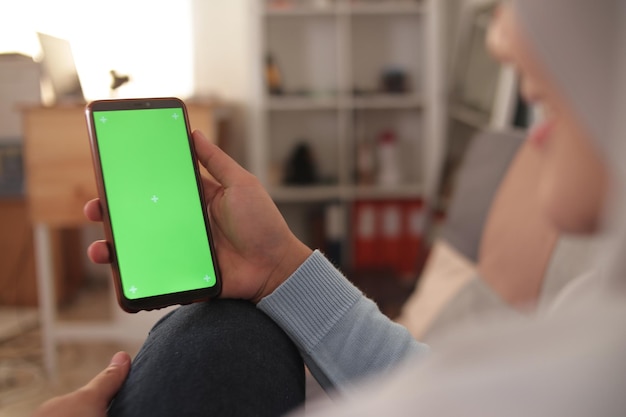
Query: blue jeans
219, 358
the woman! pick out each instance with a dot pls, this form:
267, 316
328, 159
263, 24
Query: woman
572, 61
569, 58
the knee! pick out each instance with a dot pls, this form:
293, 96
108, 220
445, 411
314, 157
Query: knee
223, 329
226, 350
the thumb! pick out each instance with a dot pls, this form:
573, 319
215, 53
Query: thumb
221, 166
108, 382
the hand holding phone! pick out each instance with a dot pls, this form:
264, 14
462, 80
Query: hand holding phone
256, 250
152, 202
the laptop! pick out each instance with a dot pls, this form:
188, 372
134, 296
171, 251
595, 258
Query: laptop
59, 69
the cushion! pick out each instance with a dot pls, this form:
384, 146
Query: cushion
473, 303
446, 272
484, 165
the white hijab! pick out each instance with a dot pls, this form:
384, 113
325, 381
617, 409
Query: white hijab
573, 362
582, 44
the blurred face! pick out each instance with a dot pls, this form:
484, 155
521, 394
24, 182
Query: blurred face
574, 179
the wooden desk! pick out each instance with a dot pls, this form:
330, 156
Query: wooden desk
59, 180
17, 272
18, 278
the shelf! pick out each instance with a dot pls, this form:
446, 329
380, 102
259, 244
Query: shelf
299, 11
320, 193
303, 194
391, 192
388, 101
287, 103
379, 101
401, 7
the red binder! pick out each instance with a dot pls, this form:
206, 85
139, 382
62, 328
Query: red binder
365, 235
387, 234
390, 232
413, 228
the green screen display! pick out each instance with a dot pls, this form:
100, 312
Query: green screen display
155, 209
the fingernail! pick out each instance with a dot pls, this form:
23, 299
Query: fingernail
120, 358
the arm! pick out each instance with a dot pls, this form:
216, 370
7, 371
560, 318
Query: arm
341, 334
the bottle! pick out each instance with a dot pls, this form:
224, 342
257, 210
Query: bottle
273, 77
388, 169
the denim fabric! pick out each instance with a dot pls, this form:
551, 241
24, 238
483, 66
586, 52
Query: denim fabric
220, 358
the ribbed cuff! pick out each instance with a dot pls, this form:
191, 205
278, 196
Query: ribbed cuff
311, 301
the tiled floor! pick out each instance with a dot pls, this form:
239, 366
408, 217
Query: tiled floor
23, 384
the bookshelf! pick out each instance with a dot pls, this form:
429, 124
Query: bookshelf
349, 72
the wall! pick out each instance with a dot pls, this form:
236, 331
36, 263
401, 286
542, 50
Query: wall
149, 39
223, 60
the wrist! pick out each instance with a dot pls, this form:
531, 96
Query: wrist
291, 260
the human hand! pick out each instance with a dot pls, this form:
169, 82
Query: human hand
255, 249
91, 400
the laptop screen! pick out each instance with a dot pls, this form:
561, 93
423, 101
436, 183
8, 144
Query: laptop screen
60, 70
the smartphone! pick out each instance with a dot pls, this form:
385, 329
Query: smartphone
150, 191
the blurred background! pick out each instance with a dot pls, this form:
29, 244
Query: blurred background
355, 114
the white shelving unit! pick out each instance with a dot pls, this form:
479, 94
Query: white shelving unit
331, 55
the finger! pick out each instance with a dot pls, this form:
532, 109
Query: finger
99, 252
107, 383
221, 166
93, 210
210, 187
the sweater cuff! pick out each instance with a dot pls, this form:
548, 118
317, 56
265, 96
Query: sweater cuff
310, 302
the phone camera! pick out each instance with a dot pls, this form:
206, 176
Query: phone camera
148, 104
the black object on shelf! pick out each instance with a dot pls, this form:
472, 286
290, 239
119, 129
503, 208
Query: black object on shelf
394, 80
301, 169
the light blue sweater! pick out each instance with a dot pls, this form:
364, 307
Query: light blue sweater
342, 336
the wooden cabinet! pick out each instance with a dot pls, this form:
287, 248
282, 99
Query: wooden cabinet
18, 283
59, 171
17, 274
